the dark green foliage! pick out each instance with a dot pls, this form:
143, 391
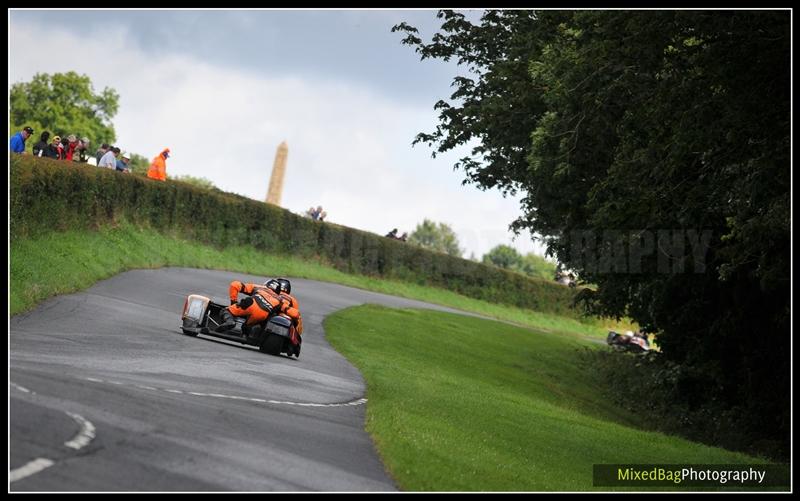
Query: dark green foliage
679, 399
642, 121
63, 103
48, 195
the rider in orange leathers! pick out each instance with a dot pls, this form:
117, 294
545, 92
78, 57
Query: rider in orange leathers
274, 296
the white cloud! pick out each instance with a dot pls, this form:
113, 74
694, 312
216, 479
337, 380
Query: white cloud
349, 149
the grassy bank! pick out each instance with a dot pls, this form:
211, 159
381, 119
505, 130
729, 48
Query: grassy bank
58, 263
465, 404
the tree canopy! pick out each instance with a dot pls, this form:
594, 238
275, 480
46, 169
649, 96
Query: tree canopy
63, 103
659, 141
439, 237
505, 256
139, 164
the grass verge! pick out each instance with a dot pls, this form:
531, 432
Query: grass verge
60, 263
465, 404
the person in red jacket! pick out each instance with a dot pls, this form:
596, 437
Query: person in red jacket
71, 145
158, 168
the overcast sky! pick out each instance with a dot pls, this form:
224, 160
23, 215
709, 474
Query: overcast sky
222, 89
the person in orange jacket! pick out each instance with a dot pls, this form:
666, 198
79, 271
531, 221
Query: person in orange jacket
262, 301
158, 168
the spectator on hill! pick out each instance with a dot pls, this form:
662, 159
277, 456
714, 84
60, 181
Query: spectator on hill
64, 148
54, 149
122, 162
316, 214
17, 142
404, 236
109, 160
158, 168
392, 234
102, 150
40, 148
82, 151
72, 145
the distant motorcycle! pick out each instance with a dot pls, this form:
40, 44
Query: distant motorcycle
630, 341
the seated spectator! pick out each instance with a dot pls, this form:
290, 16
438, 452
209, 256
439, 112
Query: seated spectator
310, 213
322, 216
40, 148
404, 236
392, 234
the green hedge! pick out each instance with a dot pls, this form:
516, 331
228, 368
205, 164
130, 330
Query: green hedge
48, 195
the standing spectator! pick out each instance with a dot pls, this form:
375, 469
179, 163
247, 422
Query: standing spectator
158, 168
54, 150
72, 144
109, 160
40, 148
64, 148
122, 162
322, 216
102, 150
17, 143
82, 151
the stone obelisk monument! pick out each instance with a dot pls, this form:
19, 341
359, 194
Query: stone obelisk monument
278, 170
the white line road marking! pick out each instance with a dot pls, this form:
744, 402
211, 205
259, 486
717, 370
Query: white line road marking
359, 401
81, 440
21, 388
84, 436
29, 469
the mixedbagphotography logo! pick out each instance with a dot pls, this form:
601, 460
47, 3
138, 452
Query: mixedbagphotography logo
691, 475
667, 251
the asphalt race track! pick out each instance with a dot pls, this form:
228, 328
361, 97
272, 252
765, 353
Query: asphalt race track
107, 394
